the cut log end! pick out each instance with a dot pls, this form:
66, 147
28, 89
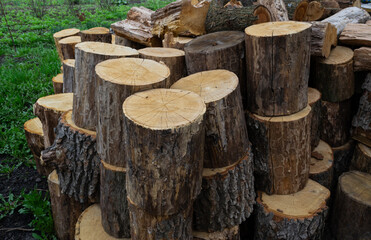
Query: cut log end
321, 165
161, 52
263, 15
338, 55
57, 102
69, 62
272, 29
97, 34
361, 159
66, 33
58, 83
313, 96
107, 49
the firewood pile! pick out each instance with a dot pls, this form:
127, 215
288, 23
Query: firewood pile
212, 120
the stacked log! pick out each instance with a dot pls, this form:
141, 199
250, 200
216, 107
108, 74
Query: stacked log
164, 178
63, 34
116, 81
321, 165
67, 46
227, 195
314, 101
68, 75
97, 34
276, 8
323, 38
58, 83
362, 59
88, 55
361, 159
179, 42
342, 158
356, 35
127, 43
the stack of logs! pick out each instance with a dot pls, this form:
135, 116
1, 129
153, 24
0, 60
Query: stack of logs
154, 143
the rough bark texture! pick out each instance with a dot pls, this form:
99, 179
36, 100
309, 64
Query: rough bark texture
58, 83
322, 165
362, 59
67, 46
48, 109
170, 41
314, 101
336, 122
322, 39
361, 159
276, 8
348, 15
277, 67
68, 75
352, 207
98, 34
172, 58
220, 50
88, 55
65, 209
281, 148
74, 156
227, 196
128, 43
342, 158
63, 34
232, 233
356, 35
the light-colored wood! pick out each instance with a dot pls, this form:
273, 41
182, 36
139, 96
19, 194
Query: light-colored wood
321, 165
314, 12
314, 101
63, 34
89, 226
97, 34
49, 109
356, 35
361, 159
362, 59
58, 83
276, 8
179, 42
68, 75
323, 38
67, 46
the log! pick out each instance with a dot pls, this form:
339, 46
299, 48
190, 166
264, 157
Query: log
75, 157
342, 157
116, 81
65, 210
334, 76
281, 147
300, 215
276, 8
348, 15
48, 109
68, 75
277, 66
89, 225
179, 42
63, 34
181, 17
336, 122
352, 207
88, 55
174, 59
368, 22
227, 196
315, 11
127, 43
361, 159
362, 59
58, 83
346, 3
323, 38
232, 233
322, 165
97, 34
314, 101
226, 139
220, 50
67, 46
296, 9
356, 35
220, 18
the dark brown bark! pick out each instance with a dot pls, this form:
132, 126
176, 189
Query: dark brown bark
276, 8
322, 165
342, 158
232, 233
362, 59
68, 75
58, 83
277, 67
67, 46
323, 38
97, 34
361, 159
63, 34
281, 147
356, 34
314, 101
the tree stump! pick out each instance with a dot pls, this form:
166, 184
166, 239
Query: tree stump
173, 58
88, 55
63, 34
127, 43
89, 225
352, 207
277, 66
49, 109
342, 158
220, 50
160, 190
68, 46
321, 165
65, 210
97, 34
336, 121
116, 81
314, 101
322, 39
281, 147
75, 157
356, 34
362, 59
232, 233
361, 159
68, 75
58, 83
300, 215
334, 76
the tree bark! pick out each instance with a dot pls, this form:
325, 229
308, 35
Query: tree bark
276, 8
58, 83
68, 46
342, 157
277, 66
334, 76
300, 215
346, 3
170, 41
356, 35
63, 34
361, 159
314, 101
65, 210
227, 196
97, 34
74, 156
68, 75
88, 55
352, 207
296, 9
323, 38
362, 59
281, 147
173, 58
48, 109
232, 233
220, 50
348, 15
127, 43
321, 165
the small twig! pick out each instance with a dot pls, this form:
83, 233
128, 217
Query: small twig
16, 229
6, 22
